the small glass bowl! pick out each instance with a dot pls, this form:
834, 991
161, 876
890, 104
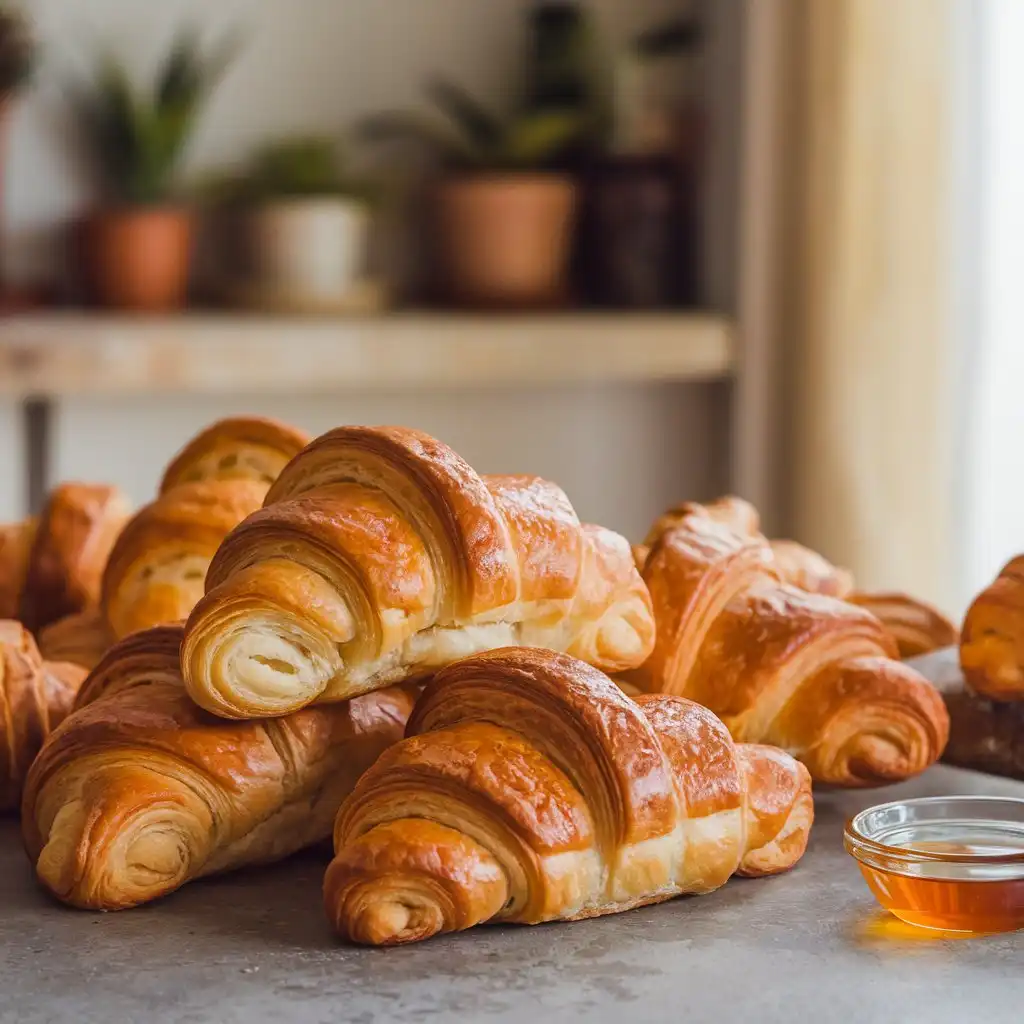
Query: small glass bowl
949, 863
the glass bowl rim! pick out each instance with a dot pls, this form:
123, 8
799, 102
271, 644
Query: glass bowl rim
858, 843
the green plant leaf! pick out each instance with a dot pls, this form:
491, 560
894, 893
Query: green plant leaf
539, 139
480, 127
398, 127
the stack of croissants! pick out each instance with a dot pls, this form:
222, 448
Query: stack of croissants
500, 714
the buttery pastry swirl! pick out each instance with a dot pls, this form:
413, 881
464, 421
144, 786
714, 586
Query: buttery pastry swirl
155, 573
82, 639
915, 625
382, 556
531, 789
34, 697
238, 448
140, 791
811, 674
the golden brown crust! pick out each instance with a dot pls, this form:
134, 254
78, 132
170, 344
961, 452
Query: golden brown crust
992, 645
916, 626
140, 791
794, 563
239, 448
381, 556
76, 531
156, 571
82, 639
34, 697
15, 547
801, 671
529, 789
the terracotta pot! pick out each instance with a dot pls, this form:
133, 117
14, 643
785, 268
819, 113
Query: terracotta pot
139, 258
506, 240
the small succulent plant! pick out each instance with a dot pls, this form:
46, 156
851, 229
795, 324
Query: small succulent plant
139, 137
17, 50
294, 168
471, 137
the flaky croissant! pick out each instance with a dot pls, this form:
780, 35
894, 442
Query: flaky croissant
531, 789
34, 697
76, 530
81, 639
140, 791
915, 625
15, 546
794, 563
239, 448
810, 674
156, 571
992, 644
382, 556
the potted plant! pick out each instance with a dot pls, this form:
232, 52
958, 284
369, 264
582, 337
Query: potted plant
17, 57
306, 222
137, 245
504, 211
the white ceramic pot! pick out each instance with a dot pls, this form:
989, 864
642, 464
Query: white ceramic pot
310, 250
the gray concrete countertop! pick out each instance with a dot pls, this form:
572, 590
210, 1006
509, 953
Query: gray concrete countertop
805, 948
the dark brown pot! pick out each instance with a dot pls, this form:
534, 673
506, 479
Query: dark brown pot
138, 259
505, 239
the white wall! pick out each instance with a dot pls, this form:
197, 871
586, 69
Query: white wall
621, 453
993, 321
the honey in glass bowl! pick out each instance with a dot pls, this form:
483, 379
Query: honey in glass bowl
949, 863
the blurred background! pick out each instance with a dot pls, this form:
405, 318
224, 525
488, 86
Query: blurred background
653, 249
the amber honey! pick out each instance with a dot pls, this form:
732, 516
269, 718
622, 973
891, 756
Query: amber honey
953, 864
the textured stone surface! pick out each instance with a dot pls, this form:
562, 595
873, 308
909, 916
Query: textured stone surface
804, 948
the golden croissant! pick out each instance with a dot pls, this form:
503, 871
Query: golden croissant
382, 556
59, 559
794, 563
35, 696
238, 448
530, 789
139, 791
156, 571
992, 645
810, 674
81, 639
916, 626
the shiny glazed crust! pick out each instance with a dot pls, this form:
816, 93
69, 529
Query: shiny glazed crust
81, 639
156, 571
140, 791
382, 556
794, 563
992, 645
76, 531
810, 674
34, 697
530, 789
239, 448
916, 626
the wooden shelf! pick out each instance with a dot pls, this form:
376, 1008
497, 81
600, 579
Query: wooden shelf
50, 355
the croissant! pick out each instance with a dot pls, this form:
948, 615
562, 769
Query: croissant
240, 448
34, 697
81, 639
801, 671
916, 626
15, 545
794, 563
531, 789
76, 531
140, 791
381, 556
992, 645
156, 570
